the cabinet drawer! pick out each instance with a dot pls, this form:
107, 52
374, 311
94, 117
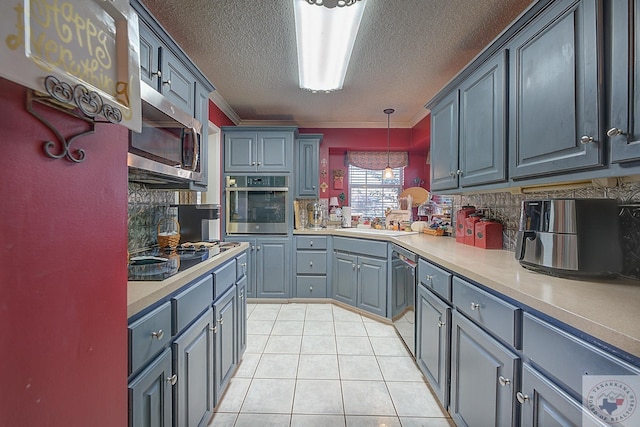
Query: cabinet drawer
311, 242
311, 262
497, 316
224, 278
361, 246
148, 335
565, 356
188, 304
241, 266
311, 286
434, 278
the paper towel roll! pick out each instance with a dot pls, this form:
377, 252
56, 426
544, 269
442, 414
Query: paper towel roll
346, 216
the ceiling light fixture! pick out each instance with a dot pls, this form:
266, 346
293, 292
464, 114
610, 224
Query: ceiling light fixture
325, 38
388, 172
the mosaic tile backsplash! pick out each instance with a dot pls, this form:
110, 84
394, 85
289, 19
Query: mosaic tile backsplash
146, 209
505, 207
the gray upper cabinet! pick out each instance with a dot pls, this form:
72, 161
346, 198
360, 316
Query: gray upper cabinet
554, 92
177, 83
307, 167
251, 150
623, 71
444, 143
150, 46
483, 136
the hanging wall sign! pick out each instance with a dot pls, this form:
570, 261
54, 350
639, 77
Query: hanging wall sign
90, 47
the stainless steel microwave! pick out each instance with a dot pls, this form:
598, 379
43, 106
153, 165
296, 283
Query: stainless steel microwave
169, 147
257, 204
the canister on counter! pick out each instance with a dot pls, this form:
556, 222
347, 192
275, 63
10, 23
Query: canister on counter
461, 215
470, 228
488, 234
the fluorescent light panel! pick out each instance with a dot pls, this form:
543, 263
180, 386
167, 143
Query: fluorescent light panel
325, 39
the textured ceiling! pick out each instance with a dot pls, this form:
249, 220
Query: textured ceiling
406, 51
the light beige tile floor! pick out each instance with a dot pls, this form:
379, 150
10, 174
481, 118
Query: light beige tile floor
320, 365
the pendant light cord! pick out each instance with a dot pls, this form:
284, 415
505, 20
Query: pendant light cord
388, 112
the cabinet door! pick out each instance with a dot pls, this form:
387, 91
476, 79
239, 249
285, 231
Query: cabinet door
479, 367
372, 285
225, 316
433, 335
554, 92
544, 404
150, 394
345, 278
240, 152
193, 358
444, 143
273, 268
177, 84
308, 177
149, 56
483, 135
275, 151
623, 45
241, 295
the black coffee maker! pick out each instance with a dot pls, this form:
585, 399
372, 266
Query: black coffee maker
194, 222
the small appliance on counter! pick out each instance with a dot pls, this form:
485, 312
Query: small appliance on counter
194, 221
315, 215
570, 237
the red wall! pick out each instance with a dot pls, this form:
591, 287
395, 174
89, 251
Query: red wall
217, 117
63, 242
337, 141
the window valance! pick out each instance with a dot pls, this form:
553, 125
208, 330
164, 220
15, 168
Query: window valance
377, 160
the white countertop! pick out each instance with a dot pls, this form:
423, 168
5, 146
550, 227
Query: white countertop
606, 309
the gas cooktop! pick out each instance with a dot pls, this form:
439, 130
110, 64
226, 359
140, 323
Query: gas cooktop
159, 263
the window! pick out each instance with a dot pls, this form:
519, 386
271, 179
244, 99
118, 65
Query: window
370, 195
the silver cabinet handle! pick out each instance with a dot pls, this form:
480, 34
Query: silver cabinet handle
259, 163
503, 381
259, 247
173, 379
310, 263
157, 73
521, 397
441, 323
452, 174
459, 172
475, 306
313, 187
429, 277
243, 265
311, 242
221, 320
358, 266
253, 163
167, 82
158, 334
585, 139
253, 248
353, 266
241, 296
310, 288
214, 329
614, 132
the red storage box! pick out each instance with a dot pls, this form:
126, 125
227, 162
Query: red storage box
470, 228
461, 215
488, 234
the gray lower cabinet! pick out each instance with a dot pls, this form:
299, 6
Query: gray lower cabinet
225, 317
554, 92
433, 337
345, 278
193, 360
545, 404
623, 71
268, 266
361, 281
150, 394
311, 266
241, 295
484, 377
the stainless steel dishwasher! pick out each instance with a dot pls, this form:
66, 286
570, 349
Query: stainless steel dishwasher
403, 294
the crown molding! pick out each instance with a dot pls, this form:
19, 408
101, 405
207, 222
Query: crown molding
222, 104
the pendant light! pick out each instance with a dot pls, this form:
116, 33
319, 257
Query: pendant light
388, 172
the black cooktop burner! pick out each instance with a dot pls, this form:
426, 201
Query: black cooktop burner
161, 263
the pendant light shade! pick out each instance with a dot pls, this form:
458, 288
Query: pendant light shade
388, 172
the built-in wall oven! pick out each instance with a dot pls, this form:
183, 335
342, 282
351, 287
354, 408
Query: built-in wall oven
257, 204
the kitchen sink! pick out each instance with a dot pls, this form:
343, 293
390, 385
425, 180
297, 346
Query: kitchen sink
373, 231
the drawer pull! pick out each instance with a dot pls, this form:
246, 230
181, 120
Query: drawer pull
521, 397
441, 323
173, 379
503, 381
310, 288
429, 277
310, 263
157, 73
221, 320
311, 243
614, 132
214, 329
353, 266
158, 334
475, 306
167, 82
585, 139
244, 265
